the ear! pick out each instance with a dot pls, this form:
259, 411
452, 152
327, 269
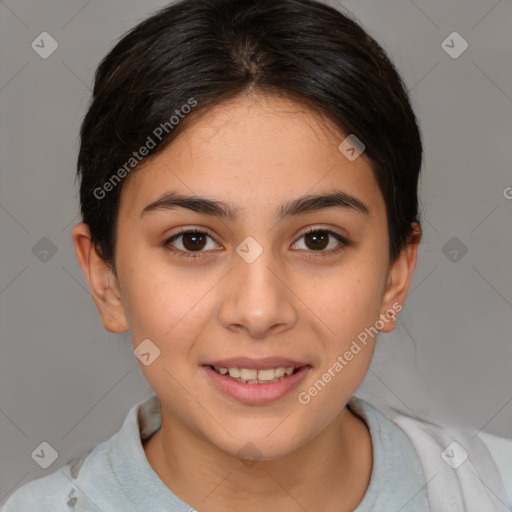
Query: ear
103, 283
399, 278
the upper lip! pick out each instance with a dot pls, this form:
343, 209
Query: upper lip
256, 364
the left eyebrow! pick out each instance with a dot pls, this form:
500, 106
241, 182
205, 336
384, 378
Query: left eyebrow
301, 205
311, 203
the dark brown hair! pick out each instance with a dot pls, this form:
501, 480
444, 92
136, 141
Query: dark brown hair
194, 54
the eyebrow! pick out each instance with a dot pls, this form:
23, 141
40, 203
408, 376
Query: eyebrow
301, 205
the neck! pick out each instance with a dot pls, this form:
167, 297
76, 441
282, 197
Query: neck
330, 472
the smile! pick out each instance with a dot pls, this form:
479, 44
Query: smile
256, 386
254, 376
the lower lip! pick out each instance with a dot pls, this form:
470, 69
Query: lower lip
253, 394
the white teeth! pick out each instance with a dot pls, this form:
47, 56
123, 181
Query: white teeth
253, 376
280, 372
269, 374
234, 372
246, 374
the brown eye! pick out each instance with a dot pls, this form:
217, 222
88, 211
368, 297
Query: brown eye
190, 241
323, 241
193, 241
316, 240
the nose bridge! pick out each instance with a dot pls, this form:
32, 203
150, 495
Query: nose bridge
255, 298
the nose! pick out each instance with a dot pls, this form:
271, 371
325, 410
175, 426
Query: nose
257, 299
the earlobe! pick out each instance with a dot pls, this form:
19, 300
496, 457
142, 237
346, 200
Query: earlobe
399, 278
103, 283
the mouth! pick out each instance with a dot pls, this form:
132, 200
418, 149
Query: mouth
254, 382
255, 376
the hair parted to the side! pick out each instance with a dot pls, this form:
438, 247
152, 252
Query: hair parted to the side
209, 51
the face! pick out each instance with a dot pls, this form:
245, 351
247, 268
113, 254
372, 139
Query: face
263, 276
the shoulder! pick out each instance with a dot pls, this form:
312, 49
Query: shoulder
91, 481
477, 463
48, 493
500, 449
86, 484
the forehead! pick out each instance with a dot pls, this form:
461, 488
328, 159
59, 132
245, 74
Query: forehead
257, 151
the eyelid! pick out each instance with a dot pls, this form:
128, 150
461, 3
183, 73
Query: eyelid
187, 230
343, 242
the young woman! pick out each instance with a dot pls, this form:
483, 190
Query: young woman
249, 176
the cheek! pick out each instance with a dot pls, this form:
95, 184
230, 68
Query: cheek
167, 305
149, 289
345, 301
160, 308
350, 309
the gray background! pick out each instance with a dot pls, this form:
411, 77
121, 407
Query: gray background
66, 381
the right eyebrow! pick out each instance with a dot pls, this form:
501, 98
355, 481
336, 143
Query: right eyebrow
172, 200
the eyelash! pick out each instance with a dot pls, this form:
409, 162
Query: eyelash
313, 254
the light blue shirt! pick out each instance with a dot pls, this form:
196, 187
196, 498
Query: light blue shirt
116, 475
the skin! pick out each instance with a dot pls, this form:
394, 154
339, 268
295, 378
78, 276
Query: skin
256, 152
